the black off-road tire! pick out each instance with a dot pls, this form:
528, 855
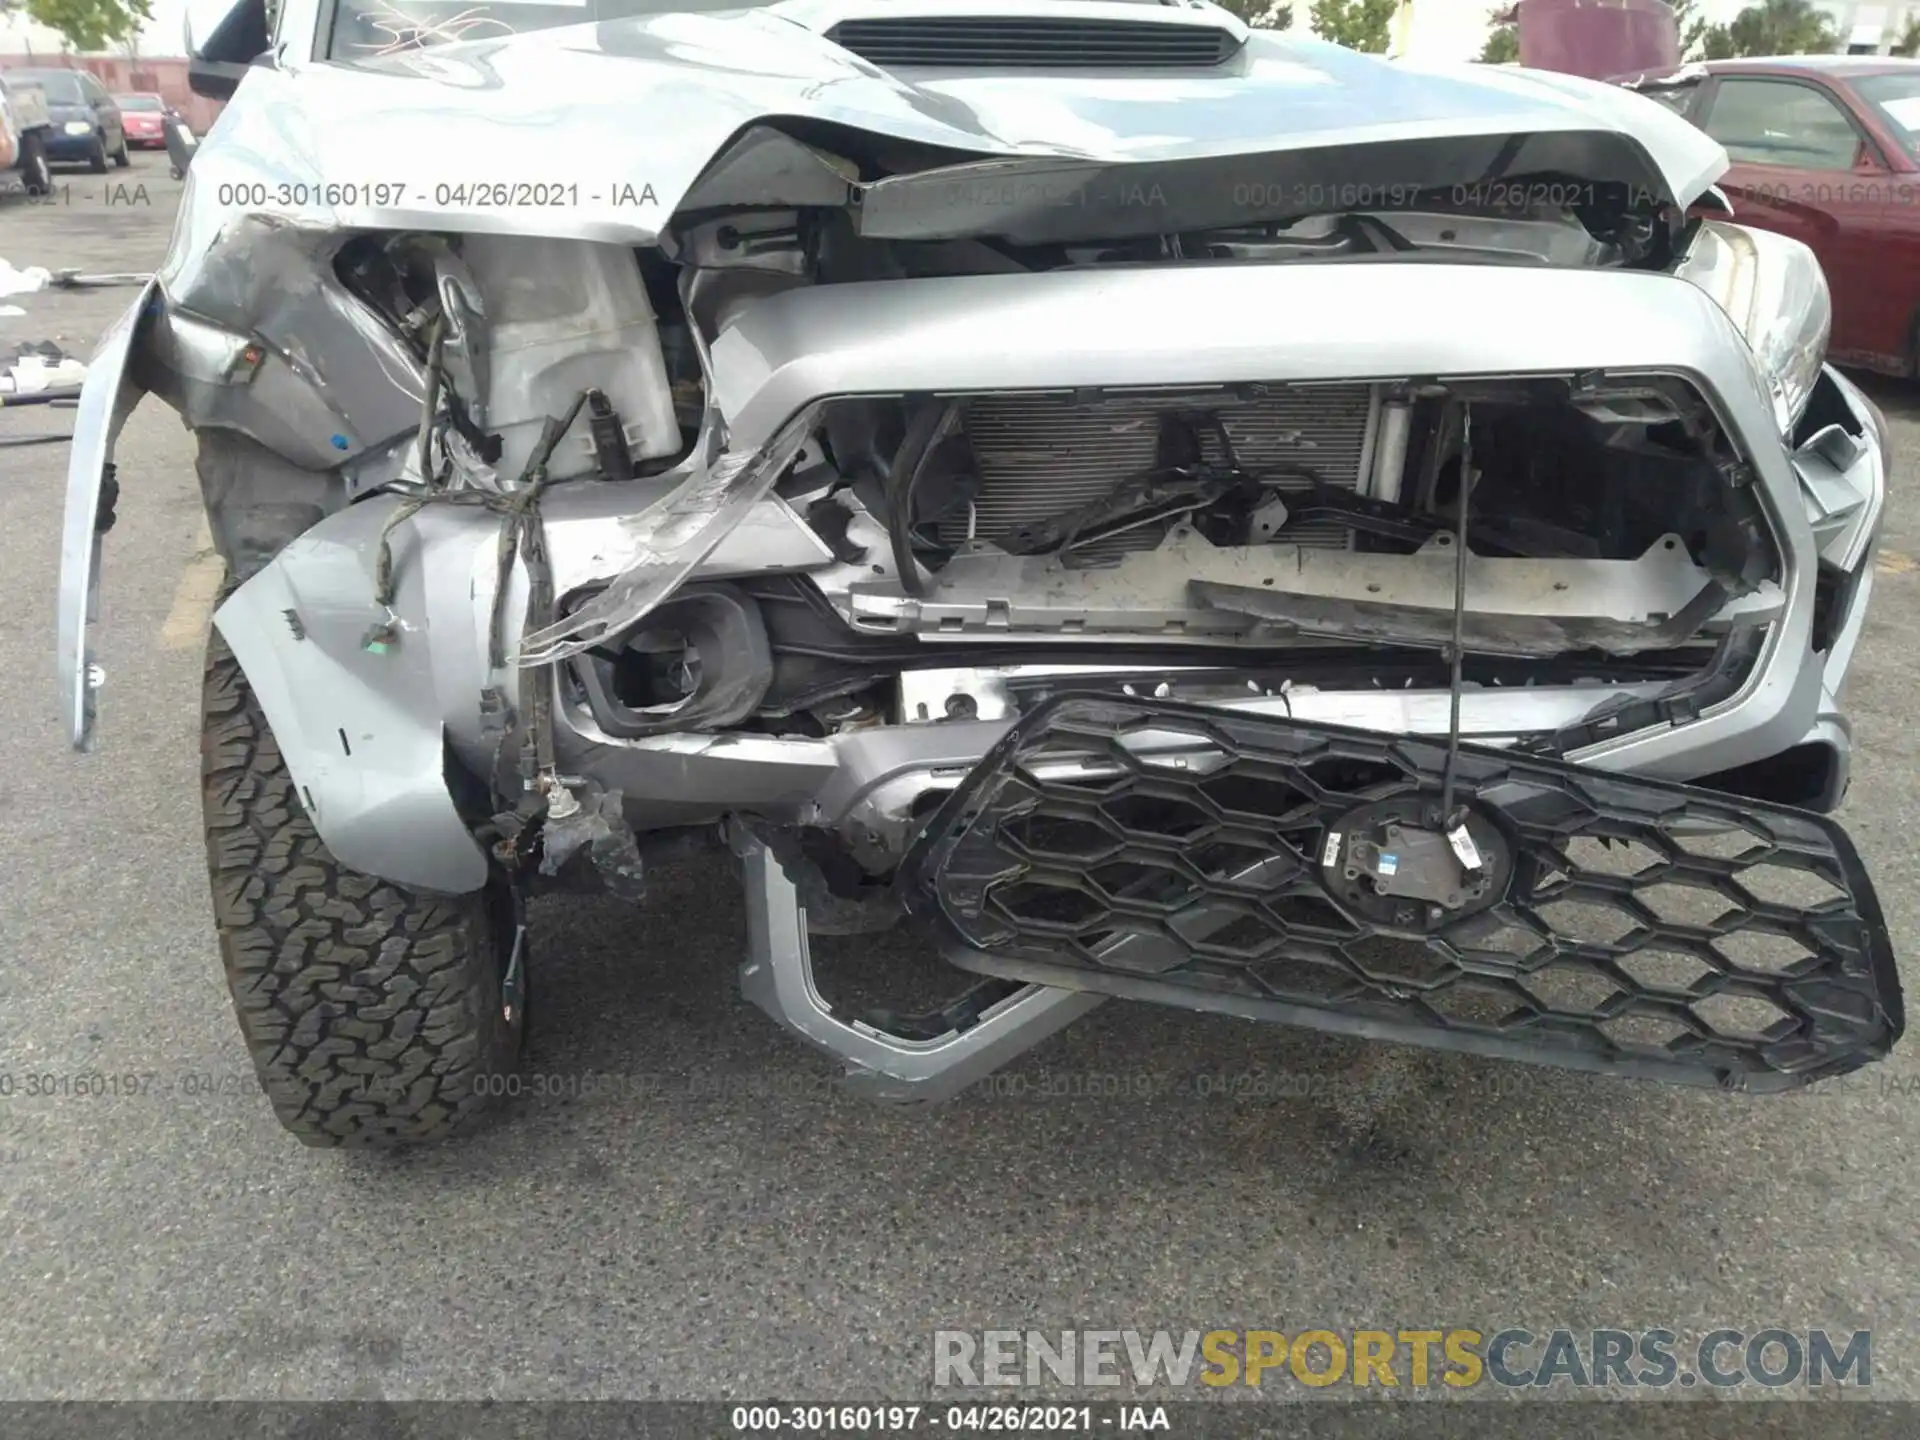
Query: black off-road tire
373, 1014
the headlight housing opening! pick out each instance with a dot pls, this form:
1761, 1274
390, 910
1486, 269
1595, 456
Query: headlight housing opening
1774, 291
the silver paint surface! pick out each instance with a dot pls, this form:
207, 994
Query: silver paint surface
106, 399
622, 121
648, 103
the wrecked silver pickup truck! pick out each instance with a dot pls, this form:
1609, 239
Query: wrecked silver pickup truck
1171, 512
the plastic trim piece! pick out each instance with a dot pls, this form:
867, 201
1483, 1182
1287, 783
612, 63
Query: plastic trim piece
1645, 928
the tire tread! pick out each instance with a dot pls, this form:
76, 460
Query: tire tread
371, 1012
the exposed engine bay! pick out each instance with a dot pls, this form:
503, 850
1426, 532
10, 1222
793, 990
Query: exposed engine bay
1080, 528
1089, 527
1556, 474
1006, 507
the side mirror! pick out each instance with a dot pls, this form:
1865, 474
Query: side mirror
213, 79
217, 65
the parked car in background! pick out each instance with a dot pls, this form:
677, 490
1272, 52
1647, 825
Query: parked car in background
87, 128
25, 127
145, 117
1825, 148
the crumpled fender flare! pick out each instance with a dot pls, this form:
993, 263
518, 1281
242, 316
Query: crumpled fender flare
362, 723
362, 733
106, 399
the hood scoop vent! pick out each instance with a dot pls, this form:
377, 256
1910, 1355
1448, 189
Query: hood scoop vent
1000, 42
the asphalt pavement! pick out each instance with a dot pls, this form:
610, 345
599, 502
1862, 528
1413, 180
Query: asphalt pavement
717, 1220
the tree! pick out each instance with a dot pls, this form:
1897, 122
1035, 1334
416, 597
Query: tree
91, 24
1909, 42
1357, 24
1716, 43
1262, 14
1782, 27
1503, 40
1692, 26
1702, 40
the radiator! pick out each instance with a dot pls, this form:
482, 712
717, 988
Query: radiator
1041, 454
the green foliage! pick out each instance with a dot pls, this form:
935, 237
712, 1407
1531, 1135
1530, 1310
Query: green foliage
1909, 42
1693, 29
1357, 24
1503, 40
91, 24
1782, 27
1262, 14
1716, 43
1773, 27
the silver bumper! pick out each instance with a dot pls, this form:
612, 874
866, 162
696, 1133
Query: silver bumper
381, 801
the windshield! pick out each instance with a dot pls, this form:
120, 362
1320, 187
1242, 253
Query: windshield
149, 103
61, 87
1897, 98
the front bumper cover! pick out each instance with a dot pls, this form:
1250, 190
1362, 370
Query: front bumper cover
1637, 927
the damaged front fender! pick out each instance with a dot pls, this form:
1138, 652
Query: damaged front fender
361, 698
260, 336
106, 399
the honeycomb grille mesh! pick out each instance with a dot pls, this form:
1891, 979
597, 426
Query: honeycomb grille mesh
1645, 928
1039, 455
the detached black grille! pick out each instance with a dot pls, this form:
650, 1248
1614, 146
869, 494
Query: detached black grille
1165, 852
1009, 42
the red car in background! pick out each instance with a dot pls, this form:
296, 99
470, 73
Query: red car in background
1825, 148
145, 117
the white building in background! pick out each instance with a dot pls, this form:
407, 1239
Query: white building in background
1869, 29
1441, 30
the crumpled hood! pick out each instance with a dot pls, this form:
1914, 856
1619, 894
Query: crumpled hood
599, 130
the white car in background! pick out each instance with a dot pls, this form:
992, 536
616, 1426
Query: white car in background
24, 128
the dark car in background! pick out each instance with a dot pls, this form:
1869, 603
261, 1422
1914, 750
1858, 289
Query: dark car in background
87, 128
145, 117
1825, 148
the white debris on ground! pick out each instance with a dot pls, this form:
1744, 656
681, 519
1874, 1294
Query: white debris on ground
23, 282
31, 369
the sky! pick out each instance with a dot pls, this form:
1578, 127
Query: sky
160, 36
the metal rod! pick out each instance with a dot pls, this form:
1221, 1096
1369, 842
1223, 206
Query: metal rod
1448, 819
52, 395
